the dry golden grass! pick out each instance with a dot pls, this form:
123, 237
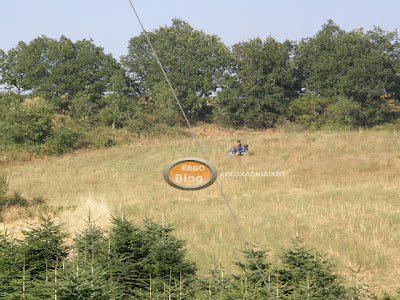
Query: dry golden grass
342, 187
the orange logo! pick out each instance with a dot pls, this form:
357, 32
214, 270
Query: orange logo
190, 174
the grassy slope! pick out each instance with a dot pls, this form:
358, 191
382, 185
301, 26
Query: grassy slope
342, 187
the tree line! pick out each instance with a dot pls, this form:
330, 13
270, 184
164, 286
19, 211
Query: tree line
126, 261
335, 79
148, 262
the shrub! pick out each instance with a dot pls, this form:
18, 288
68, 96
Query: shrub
117, 110
308, 111
24, 124
15, 200
3, 185
64, 138
139, 125
83, 106
345, 112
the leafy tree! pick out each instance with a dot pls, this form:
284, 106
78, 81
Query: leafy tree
24, 123
359, 66
118, 109
25, 66
13, 73
8, 73
257, 91
83, 106
59, 69
65, 136
162, 107
121, 83
193, 60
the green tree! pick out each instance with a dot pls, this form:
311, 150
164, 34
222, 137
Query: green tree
118, 109
165, 254
309, 110
359, 66
86, 280
307, 274
25, 65
261, 84
65, 136
43, 246
193, 60
346, 113
10, 262
250, 283
59, 69
126, 252
23, 123
8, 72
139, 257
21, 66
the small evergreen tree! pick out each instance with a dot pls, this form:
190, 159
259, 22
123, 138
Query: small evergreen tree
93, 267
91, 242
165, 260
166, 256
43, 246
84, 281
10, 262
307, 274
250, 283
126, 254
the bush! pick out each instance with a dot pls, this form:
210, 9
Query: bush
64, 138
15, 200
3, 185
117, 110
83, 106
345, 112
24, 124
308, 111
139, 125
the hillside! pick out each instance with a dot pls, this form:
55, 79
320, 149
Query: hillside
341, 187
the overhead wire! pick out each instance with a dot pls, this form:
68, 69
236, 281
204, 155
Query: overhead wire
202, 152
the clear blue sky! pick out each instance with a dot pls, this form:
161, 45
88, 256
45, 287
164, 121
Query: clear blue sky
111, 23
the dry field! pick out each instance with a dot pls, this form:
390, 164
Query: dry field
343, 188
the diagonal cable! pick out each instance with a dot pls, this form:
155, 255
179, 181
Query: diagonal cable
202, 152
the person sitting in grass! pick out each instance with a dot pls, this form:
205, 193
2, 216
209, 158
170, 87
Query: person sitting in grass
238, 146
